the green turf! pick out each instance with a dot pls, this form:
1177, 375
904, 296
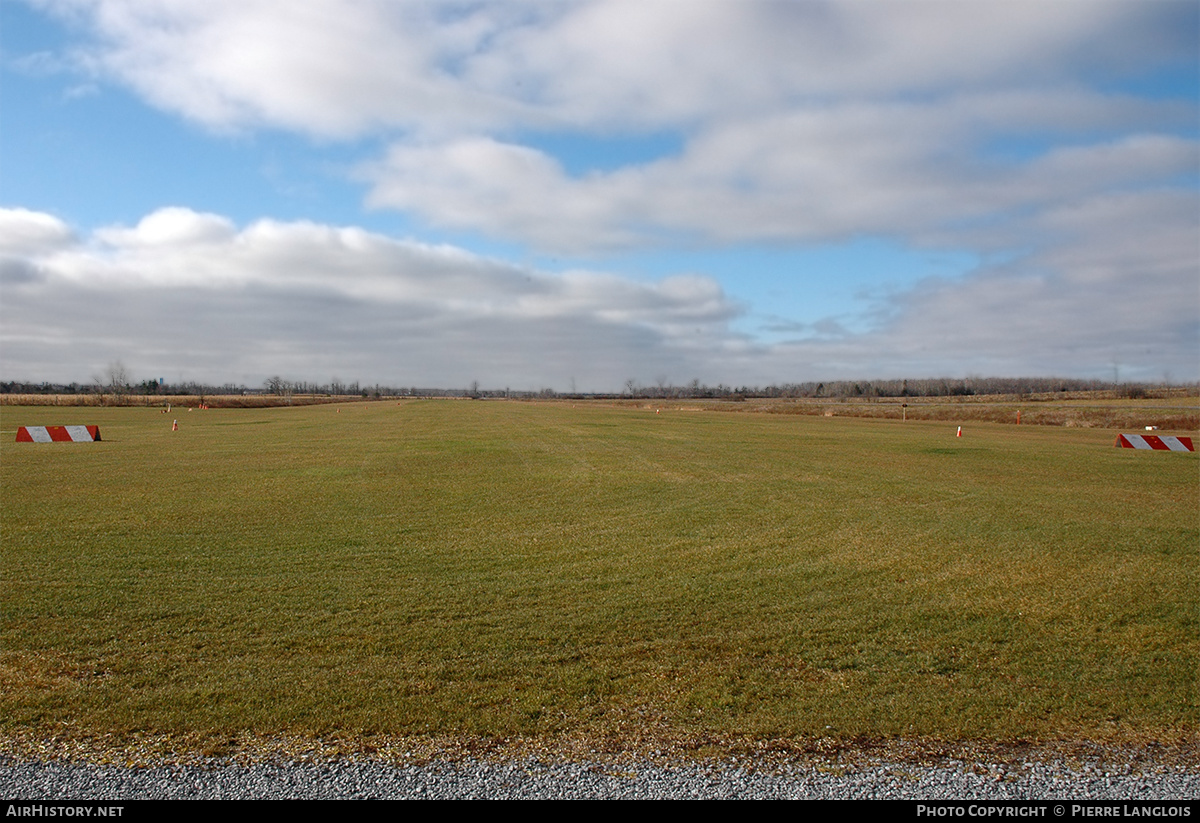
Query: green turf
502, 568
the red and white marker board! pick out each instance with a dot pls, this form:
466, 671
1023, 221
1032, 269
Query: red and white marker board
1155, 442
58, 434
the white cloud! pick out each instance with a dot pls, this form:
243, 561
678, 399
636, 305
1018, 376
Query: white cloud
801, 122
1119, 290
908, 170
511, 191
171, 227
343, 67
29, 233
325, 67
187, 295
189, 288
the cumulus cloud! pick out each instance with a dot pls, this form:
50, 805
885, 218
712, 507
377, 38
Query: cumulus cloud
24, 237
325, 67
29, 233
1118, 291
801, 122
901, 169
171, 227
511, 191
342, 67
192, 296
188, 290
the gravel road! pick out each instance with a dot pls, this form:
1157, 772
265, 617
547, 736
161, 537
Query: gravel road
531, 779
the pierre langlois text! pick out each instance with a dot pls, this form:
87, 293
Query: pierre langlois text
1076, 810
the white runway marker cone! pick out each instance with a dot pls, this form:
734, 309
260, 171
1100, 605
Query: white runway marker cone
959, 432
174, 425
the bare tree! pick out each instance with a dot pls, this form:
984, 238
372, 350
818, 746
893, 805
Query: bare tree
115, 381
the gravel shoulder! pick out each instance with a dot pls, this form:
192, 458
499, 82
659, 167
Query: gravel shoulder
892, 773
534, 780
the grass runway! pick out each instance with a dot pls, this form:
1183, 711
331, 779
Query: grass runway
499, 569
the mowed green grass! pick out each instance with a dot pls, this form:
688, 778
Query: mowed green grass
499, 568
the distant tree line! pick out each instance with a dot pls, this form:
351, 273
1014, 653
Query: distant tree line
926, 387
117, 384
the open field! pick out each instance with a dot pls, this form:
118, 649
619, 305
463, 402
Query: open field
1163, 407
484, 570
1175, 409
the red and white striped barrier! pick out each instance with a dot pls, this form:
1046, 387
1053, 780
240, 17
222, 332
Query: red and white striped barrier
1153, 441
58, 434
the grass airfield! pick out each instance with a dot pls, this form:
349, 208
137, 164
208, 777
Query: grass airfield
492, 570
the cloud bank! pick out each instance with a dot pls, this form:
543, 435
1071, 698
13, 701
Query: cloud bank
185, 295
334, 68
184, 292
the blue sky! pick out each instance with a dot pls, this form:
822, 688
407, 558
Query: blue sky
579, 194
